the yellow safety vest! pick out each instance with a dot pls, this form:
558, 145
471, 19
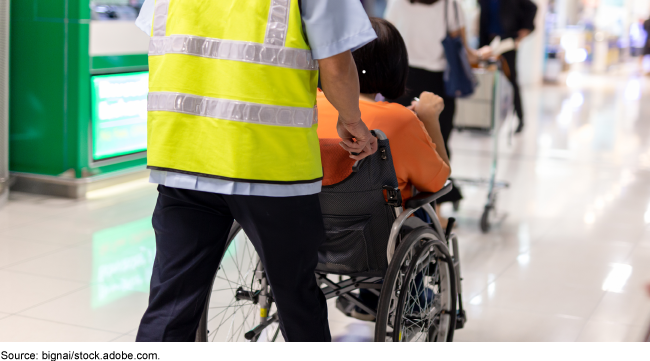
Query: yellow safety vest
232, 91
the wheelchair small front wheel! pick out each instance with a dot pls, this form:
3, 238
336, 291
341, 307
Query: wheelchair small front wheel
418, 300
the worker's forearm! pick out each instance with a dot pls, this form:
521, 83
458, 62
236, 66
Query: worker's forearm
432, 125
340, 84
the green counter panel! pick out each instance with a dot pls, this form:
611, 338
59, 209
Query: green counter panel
121, 63
50, 88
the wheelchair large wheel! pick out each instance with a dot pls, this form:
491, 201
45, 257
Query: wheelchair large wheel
418, 299
232, 307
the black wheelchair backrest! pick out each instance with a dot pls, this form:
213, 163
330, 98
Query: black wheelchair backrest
358, 213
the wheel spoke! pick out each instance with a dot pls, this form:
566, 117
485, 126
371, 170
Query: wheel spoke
229, 319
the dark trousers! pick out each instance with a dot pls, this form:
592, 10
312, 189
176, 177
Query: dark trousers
511, 59
191, 233
420, 80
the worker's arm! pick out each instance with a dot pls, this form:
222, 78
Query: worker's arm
340, 84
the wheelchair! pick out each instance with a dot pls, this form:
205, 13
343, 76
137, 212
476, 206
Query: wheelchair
373, 245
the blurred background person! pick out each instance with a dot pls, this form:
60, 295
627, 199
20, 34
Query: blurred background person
375, 8
646, 48
508, 19
424, 25
647, 287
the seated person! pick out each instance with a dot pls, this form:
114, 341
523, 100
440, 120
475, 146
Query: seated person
416, 143
419, 155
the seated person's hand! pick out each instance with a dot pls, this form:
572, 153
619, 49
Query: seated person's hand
428, 107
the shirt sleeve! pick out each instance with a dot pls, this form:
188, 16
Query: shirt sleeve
145, 19
335, 26
415, 156
428, 172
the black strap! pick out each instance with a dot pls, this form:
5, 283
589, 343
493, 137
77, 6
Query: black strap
455, 11
446, 20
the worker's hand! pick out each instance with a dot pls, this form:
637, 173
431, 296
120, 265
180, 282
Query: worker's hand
429, 107
356, 139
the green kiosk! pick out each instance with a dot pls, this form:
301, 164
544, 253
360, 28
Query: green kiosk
78, 95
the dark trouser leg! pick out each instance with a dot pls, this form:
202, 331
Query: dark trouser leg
447, 120
446, 126
511, 60
286, 233
191, 231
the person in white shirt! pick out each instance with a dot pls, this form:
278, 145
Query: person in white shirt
424, 25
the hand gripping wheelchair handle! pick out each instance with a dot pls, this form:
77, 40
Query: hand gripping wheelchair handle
379, 135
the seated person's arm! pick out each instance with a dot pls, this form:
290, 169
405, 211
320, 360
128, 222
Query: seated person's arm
428, 109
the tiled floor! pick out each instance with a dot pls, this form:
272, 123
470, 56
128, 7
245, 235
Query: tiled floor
566, 262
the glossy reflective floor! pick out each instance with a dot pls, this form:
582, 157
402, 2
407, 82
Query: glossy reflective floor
566, 260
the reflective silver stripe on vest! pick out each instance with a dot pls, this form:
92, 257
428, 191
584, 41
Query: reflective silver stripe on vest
160, 18
276, 28
233, 50
232, 110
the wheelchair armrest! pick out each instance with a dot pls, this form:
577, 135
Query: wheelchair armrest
426, 197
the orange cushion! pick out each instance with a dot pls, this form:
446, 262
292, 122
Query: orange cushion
337, 164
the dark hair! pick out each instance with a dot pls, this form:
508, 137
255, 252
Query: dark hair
383, 63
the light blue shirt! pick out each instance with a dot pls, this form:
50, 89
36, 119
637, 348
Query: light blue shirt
332, 27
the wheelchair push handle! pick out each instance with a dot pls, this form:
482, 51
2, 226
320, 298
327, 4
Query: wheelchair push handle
382, 151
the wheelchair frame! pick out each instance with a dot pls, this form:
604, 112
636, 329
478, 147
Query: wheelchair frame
345, 287
420, 201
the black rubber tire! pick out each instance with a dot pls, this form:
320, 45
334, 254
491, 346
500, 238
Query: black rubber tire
202, 330
383, 309
485, 220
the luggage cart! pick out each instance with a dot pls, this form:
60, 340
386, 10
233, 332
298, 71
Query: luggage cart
487, 110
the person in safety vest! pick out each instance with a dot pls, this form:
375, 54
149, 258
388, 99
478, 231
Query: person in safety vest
232, 135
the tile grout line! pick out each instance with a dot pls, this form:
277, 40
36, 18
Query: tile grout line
505, 268
30, 223
605, 293
18, 313
85, 283
20, 238
68, 324
588, 318
37, 257
120, 336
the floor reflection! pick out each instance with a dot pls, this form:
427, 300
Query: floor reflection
122, 261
